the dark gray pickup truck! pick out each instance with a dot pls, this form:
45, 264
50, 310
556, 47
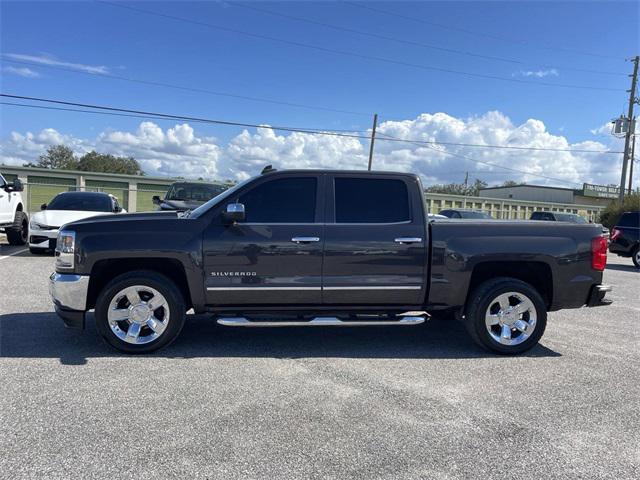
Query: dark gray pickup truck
309, 248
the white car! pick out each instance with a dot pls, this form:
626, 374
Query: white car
65, 208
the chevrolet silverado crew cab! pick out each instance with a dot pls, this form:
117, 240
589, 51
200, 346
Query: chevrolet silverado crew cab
309, 248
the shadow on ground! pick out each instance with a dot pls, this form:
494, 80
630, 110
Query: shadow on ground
623, 268
42, 335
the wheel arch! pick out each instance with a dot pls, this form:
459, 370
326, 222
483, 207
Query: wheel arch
536, 274
106, 270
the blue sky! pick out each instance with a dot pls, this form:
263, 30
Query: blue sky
543, 40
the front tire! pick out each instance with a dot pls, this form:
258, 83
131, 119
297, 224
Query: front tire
506, 316
636, 257
140, 312
18, 233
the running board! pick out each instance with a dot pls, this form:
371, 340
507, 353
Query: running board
318, 322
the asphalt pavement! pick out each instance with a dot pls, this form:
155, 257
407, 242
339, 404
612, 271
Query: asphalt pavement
419, 402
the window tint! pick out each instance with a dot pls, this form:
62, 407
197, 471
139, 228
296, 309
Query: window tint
371, 200
288, 200
630, 219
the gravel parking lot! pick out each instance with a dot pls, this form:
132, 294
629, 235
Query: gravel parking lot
413, 403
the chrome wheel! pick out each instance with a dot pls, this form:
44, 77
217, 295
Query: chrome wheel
511, 318
138, 314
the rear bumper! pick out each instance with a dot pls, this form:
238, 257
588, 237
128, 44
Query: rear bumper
596, 297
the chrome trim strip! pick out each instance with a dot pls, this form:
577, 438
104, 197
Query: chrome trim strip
399, 287
408, 240
305, 239
261, 288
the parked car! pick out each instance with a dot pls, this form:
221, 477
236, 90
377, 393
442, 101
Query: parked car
565, 217
183, 196
67, 207
625, 237
14, 221
462, 213
322, 247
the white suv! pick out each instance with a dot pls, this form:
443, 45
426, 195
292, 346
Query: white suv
13, 219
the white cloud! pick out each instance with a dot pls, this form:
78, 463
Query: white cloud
552, 72
21, 71
180, 150
45, 59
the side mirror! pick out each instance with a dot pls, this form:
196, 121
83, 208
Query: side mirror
43, 206
155, 199
15, 186
117, 209
234, 212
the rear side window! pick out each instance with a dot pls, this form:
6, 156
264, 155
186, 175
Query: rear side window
371, 200
288, 200
630, 219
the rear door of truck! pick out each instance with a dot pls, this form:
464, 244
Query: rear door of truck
375, 240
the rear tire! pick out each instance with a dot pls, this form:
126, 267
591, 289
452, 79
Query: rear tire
505, 315
635, 256
140, 312
18, 233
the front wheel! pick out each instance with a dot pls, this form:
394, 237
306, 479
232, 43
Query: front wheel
18, 233
636, 257
506, 316
140, 312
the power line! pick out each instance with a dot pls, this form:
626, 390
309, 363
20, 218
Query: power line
357, 55
315, 131
8, 58
414, 43
475, 32
495, 165
296, 129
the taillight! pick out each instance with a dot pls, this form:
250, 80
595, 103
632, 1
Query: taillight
598, 253
615, 233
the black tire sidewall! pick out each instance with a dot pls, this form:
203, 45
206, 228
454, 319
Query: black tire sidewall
14, 233
484, 295
633, 256
157, 281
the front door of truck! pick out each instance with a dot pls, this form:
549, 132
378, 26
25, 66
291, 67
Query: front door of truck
274, 256
375, 241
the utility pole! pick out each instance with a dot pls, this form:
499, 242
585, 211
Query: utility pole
630, 128
373, 138
633, 158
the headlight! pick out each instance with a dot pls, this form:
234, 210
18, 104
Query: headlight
65, 247
34, 225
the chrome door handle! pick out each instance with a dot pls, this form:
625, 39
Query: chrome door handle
305, 239
407, 240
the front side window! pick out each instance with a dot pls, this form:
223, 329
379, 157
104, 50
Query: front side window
371, 200
287, 200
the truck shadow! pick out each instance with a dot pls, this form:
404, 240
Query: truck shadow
622, 268
42, 335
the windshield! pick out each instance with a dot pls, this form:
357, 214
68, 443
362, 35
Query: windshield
569, 217
466, 214
89, 202
195, 192
217, 199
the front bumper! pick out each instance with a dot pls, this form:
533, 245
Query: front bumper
69, 295
596, 297
43, 239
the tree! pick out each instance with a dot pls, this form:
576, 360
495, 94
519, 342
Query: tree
612, 213
104, 162
56, 157
511, 183
458, 188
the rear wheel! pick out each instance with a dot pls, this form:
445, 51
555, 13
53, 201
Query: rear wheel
140, 312
506, 315
636, 257
18, 233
